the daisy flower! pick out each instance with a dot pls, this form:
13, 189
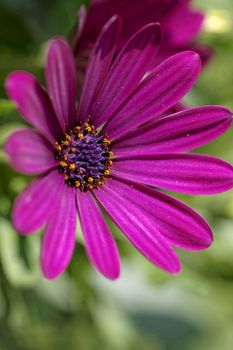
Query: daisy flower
107, 153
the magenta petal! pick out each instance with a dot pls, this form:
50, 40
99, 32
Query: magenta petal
61, 81
29, 152
138, 227
181, 172
100, 245
33, 103
34, 205
82, 14
98, 66
176, 133
182, 25
129, 68
58, 241
178, 223
162, 89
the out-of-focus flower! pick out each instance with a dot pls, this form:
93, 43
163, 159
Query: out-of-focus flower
108, 152
180, 25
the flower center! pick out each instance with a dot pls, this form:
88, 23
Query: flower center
84, 157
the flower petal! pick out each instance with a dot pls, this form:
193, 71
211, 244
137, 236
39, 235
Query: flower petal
182, 25
81, 15
138, 227
178, 223
34, 205
135, 58
33, 103
61, 81
98, 66
159, 91
100, 245
182, 172
29, 152
176, 133
58, 241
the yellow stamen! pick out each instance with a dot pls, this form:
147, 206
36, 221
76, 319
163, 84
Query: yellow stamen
101, 182
106, 141
90, 179
72, 166
63, 164
77, 184
58, 148
87, 127
67, 137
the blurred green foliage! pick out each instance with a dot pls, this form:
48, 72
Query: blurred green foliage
146, 309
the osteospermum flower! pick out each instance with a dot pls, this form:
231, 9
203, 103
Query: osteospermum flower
180, 25
108, 153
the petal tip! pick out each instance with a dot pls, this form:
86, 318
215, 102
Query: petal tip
176, 270
50, 271
154, 29
18, 227
12, 81
56, 43
209, 241
115, 24
112, 273
50, 275
196, 58
192, 57
113, 276
57, 40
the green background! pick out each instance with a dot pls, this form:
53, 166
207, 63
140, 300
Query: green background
145, 309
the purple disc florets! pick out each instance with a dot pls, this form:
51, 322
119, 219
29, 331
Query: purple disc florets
84, 157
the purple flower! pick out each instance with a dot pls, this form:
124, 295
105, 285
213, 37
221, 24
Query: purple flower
180, 25
108, 153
